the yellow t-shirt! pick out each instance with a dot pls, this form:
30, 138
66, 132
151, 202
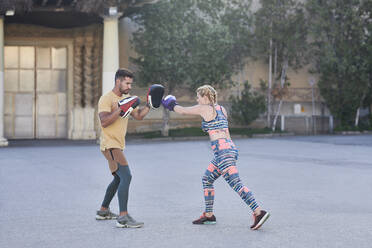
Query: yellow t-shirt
112, 136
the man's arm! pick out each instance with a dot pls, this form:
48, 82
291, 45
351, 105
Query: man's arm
140, 113
107, 118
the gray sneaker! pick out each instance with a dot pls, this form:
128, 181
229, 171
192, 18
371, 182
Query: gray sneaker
128, 221
105, 215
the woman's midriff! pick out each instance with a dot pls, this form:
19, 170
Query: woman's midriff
219, 134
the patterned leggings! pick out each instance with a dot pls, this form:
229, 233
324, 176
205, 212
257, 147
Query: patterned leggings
224, 163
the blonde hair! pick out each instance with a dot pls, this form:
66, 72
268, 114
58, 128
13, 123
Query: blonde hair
209, 91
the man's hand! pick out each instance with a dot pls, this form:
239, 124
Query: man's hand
127, 105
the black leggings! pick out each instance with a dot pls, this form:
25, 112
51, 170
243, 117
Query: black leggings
120, 183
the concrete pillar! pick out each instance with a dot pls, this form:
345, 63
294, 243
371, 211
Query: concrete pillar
3, 141
110, 52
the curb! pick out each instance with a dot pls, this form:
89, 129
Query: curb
271, 135
197, 138
353, 132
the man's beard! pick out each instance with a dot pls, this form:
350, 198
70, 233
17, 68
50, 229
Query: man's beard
124, 91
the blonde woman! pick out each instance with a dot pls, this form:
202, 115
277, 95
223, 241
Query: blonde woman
224, 150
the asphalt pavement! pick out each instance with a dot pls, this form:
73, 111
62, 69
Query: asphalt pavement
317, 188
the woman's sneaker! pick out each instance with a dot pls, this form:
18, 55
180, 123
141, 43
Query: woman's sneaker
204, 220
128, 222
259, 219
105, 215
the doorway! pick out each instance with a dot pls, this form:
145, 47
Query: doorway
35, 87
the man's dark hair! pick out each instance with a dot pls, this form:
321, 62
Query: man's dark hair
122, 73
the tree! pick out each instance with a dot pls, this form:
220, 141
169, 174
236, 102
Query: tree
280, 31
247, 107
236, 15
183, 43
342, 49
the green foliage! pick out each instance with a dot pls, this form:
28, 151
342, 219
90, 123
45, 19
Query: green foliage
248, 107
284, 23
187, 42
208, 54
160, 42
281, 37
236, 15
365, 124
342, 50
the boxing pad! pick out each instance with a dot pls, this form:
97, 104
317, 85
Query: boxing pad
127, 105
169, 102
155, 95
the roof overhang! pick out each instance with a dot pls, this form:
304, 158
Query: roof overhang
65, 13
55, 19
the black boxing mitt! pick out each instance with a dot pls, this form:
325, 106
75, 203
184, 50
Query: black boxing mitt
155, 95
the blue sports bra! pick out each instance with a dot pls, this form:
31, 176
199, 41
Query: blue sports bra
219, 122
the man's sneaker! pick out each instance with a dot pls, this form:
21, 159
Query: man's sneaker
259, 219
105, 215
128, 222
204, 220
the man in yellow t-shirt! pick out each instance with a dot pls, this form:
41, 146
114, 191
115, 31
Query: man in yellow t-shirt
112, 143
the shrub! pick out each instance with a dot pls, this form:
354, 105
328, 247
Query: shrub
248, 107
